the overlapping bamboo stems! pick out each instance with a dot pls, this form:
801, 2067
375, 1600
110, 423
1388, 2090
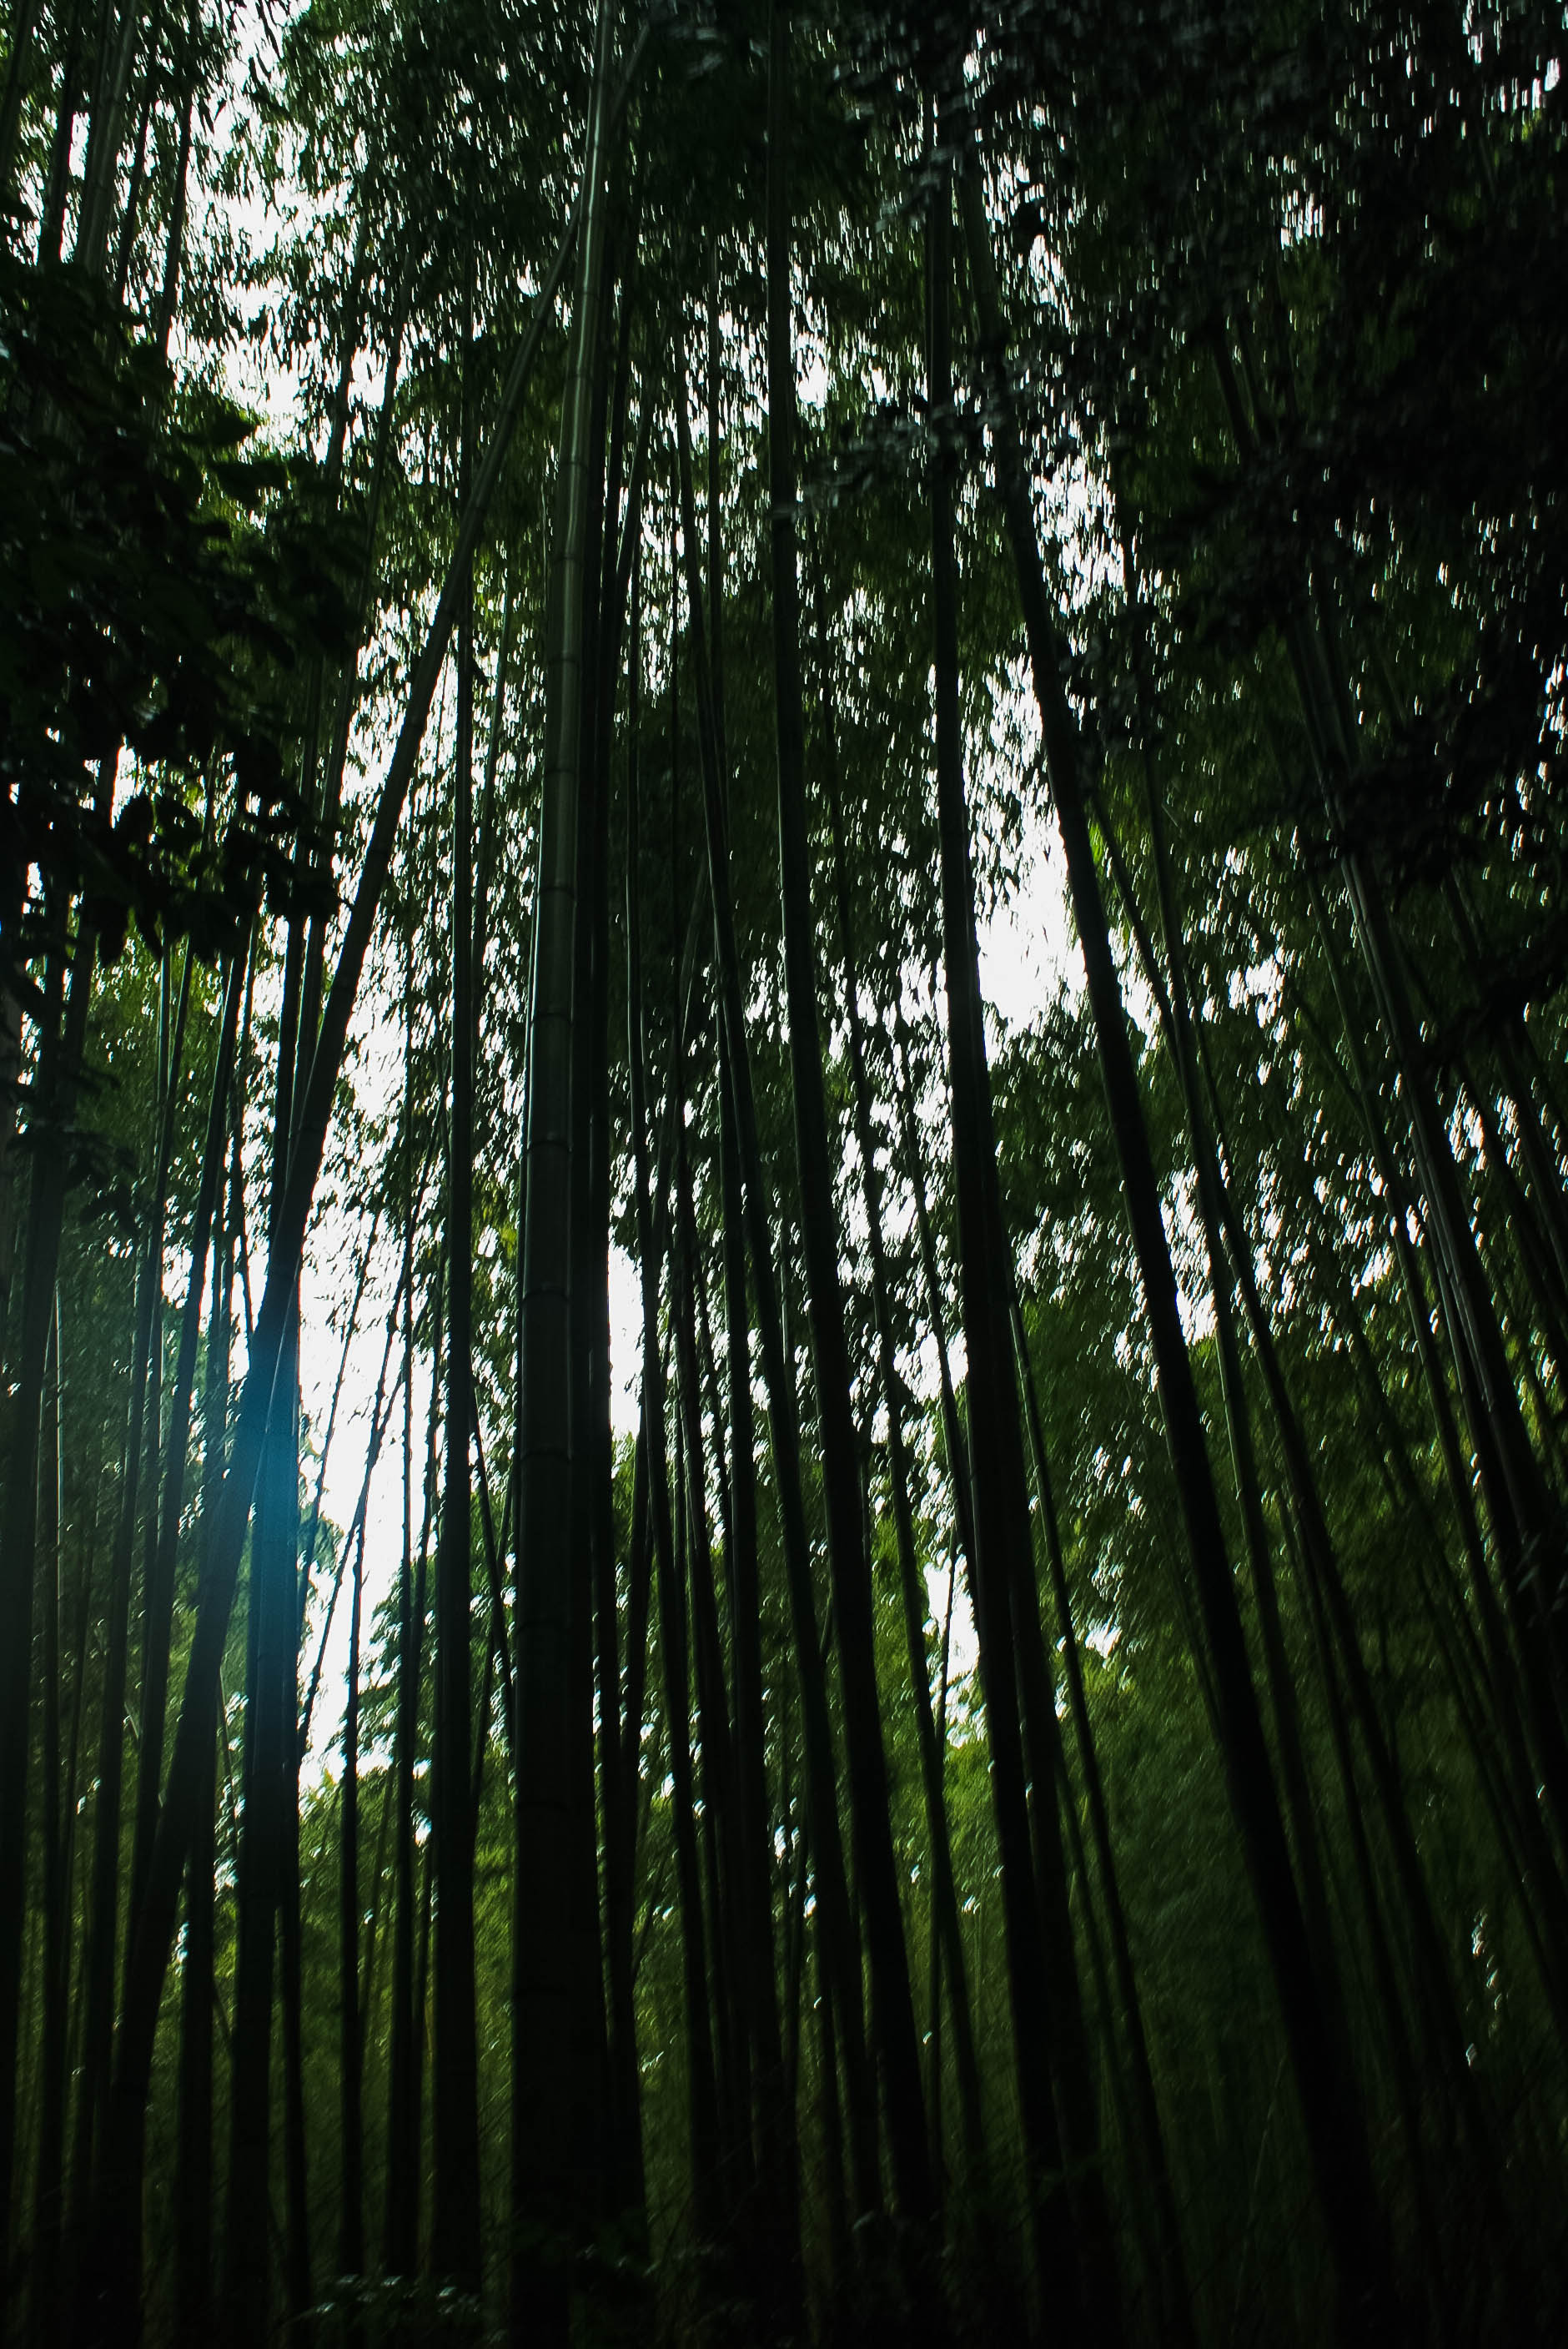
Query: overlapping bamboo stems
120, 2195
98, 1993
702, 2093
943, 1896
1526, 1519
835, 1923
1060, 2120
893, 2005
1333, 2119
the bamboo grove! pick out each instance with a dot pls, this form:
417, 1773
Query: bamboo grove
783, 848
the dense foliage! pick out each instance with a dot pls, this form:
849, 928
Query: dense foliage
986, 1758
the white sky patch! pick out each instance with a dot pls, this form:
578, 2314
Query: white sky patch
320, 1350
330, 1266
625, 1342
962, 1644
1028, 948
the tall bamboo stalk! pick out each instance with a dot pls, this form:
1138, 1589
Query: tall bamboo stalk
454, 2169
549, 1576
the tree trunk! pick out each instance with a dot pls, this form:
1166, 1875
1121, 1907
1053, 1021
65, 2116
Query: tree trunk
270, 1703
953, 1438
174, 242
550, 1579
101, 160
48, 2192
351, 2090
720, 1821
701, 2090
193, 2169
98, 1985
455, 2214
158, 1606
52, 224
619, 1771
23, 23
60, 1059
149, 80
778, 2150
400, 2242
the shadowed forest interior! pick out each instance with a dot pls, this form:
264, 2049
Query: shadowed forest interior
783, 1173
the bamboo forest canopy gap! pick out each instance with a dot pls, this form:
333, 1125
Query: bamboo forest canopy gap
1024, 1796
